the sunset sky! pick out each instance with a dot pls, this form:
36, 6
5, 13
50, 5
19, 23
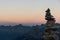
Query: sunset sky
27, 11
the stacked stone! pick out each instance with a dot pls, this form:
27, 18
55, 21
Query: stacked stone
51, 30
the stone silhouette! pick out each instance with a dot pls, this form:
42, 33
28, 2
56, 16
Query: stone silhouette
48, 15
51, 30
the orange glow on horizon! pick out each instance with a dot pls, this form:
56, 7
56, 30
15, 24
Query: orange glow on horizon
37, 18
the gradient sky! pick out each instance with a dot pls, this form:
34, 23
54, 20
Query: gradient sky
27, 11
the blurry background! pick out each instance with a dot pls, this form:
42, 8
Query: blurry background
27, 11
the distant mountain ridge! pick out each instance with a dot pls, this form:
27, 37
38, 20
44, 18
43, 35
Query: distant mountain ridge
20, 32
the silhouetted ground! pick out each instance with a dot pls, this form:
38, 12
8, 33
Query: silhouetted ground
20, 32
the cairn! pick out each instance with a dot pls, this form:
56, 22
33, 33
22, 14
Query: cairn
50, 30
